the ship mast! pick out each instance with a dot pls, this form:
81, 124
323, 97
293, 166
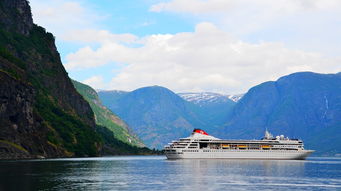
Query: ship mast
268, 135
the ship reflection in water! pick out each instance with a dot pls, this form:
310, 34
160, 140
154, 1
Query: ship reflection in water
250, 174
157, 173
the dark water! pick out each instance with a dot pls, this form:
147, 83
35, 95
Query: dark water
157, 173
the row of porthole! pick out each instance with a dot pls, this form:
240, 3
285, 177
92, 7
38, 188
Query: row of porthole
243, 150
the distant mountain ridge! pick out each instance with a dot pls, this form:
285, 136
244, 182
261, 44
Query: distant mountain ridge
109, 97
236, 97
303, 105
159, 115
156, 114
212, 108
204, 97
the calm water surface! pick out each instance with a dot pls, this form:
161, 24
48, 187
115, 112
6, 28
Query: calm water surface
157, 173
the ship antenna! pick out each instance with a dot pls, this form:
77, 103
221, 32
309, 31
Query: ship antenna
267, 134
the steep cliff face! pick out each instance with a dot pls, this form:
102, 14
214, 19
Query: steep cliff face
22, 133
41, 113
36, 47
16, 16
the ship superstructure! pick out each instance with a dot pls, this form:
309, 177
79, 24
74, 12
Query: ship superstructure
202, 145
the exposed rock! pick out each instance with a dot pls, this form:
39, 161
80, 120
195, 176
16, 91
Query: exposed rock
22, 134
32, 75
16, 15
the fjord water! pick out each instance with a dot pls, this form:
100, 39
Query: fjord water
157, 173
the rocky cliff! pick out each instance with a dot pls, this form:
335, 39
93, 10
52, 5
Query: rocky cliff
22, 131
16, 16
41, 113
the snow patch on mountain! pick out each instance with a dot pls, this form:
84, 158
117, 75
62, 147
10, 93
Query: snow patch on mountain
236, 97
209, 97
204, 97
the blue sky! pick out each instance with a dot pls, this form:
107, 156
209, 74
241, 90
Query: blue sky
134, 17
222, 46
118, 17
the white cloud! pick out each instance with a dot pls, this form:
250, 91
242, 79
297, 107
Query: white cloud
62, 16
312, 25
207, 59
98, 36
259, 7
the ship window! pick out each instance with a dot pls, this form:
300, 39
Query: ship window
203, 145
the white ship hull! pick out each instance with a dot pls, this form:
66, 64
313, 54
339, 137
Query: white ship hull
200, 145
242, 154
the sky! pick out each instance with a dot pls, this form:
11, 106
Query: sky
224, 46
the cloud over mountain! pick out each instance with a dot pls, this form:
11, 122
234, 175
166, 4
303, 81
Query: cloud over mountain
207, 59
228, 46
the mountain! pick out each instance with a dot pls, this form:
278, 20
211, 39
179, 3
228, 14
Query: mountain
208, 97
204, 98
41, 113
212, 108
105, 117
303, 105
109, 98
156, 114
236, 97
159, 116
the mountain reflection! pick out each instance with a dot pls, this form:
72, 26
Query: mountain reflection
157, 173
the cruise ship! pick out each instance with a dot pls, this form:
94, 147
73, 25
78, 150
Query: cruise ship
203, 146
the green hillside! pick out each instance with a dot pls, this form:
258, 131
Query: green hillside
105, 117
